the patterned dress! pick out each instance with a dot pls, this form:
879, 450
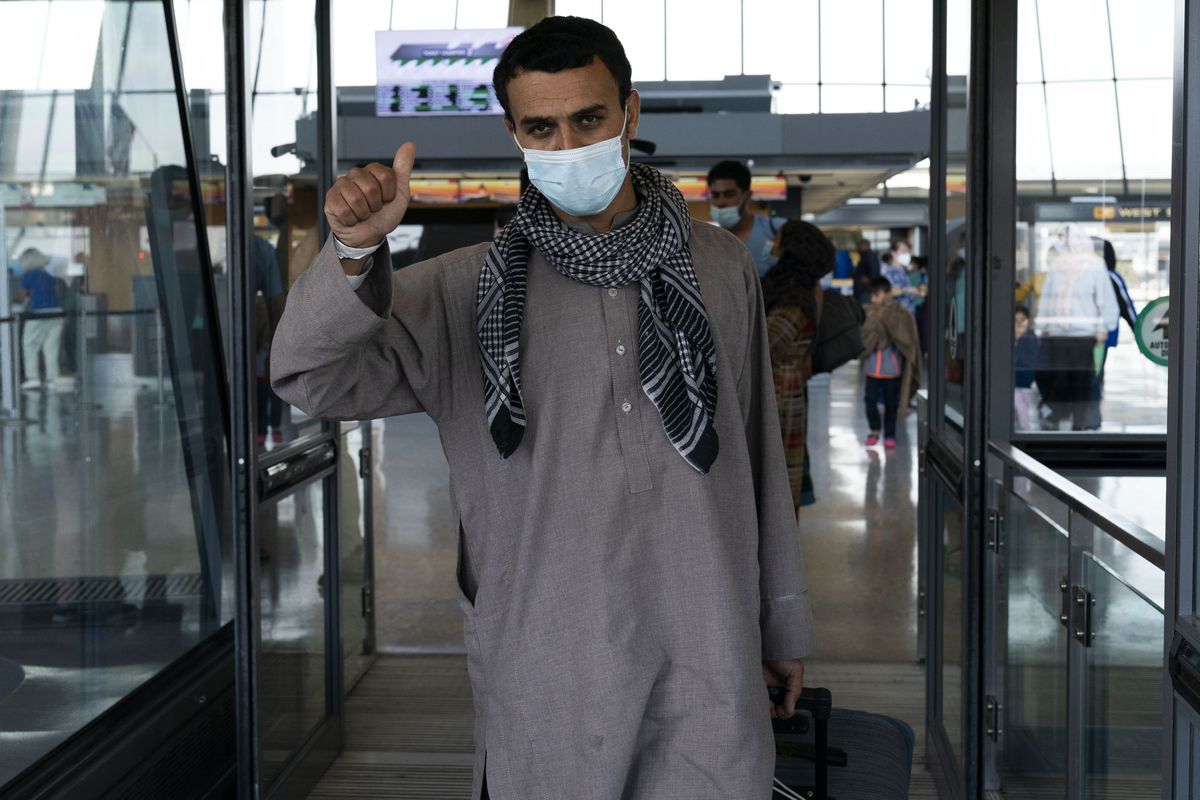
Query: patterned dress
791, 335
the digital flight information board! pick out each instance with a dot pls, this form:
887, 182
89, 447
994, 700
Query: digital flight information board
423, 73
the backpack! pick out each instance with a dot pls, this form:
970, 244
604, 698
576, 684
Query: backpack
839, 332
885, 363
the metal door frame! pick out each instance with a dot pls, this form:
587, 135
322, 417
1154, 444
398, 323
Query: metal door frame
311, 759
1181, 749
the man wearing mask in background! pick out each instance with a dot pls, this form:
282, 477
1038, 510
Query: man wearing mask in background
729, 199
630, 569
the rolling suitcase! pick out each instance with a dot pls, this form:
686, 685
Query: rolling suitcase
824, 753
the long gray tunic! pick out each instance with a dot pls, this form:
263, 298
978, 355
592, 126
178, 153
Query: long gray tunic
618, 604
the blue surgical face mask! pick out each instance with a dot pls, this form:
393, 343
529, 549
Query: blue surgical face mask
726, 217
769, 257
581, 181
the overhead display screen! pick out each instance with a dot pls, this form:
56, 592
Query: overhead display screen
425, 73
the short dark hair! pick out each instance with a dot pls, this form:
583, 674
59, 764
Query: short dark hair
560, 43
881, 284
897, 242
1110, 255
734, 171
1023, 311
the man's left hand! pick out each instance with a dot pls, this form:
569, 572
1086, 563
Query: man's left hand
790, 675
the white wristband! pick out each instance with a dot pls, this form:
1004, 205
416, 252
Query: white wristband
344, 250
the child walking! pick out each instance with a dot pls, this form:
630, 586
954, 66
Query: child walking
892, 363
1025, 416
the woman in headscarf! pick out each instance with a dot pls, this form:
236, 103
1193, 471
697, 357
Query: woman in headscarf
792, 299
1076, 311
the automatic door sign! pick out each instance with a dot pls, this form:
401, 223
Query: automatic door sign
1152, 331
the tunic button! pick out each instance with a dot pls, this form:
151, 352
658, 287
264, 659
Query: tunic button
612, 292
620, 349
627, 406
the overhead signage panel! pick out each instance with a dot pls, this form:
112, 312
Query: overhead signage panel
447, 72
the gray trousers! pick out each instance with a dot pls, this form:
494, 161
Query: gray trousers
42, 336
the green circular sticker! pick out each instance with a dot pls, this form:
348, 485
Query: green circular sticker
1152, 329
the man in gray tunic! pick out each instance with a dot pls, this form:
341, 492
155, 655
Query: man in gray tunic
630, 566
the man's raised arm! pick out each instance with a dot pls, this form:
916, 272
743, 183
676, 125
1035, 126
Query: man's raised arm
349, 345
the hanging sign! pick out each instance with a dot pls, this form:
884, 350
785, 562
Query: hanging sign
1152, 331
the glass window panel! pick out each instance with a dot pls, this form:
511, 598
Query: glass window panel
286, 204
795, 98
199, 24
275, 124
288, 57
685, 29
140, 69
154, 141
483, 13
291, 667
907, 98
953, 653
1124, 735
1034, 748
1075, 40
860, 22
19, 52
1146, 127
764, 19
1033, 141
851, 99
354, 27
72, 32
416, 538
958, 38
60, 155
1029, 48
908, 30
1083, 130
1143, 33
956, 269
1129, 395
352, 547
110, 500
639, 26
579, 8
31, 135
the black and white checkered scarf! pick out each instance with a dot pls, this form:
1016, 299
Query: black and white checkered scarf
678, 361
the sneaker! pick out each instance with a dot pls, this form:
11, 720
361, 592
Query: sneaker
64, 384
261, 439
31, 385
889, 444
872, 440
277, 437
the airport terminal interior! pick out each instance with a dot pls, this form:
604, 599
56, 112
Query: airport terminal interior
208, 592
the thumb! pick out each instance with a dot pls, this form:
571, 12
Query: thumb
402, 164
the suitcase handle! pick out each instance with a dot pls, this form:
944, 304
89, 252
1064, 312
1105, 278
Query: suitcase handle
816, 701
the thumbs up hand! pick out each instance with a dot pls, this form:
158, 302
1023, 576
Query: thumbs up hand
367, 203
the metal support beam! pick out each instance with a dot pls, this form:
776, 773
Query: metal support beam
239, 209
1181, 753
327, 111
